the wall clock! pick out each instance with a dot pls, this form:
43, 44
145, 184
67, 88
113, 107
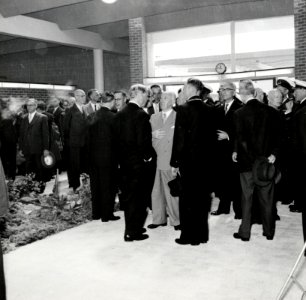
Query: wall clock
220, 68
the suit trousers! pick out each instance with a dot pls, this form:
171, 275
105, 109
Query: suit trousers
33, 165
162, 201
194, 207
75, 166
266, 202
135, 202
2, 280
229, 189
103, 191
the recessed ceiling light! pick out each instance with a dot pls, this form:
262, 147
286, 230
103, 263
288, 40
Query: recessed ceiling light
109, 1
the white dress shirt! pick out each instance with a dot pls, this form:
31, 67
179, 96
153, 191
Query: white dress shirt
31, 116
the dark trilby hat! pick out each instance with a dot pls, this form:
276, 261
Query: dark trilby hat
263, 171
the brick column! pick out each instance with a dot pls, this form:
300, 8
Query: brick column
300, 38
138, 50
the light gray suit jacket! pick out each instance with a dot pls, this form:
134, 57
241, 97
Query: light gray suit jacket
88, 110
163, 147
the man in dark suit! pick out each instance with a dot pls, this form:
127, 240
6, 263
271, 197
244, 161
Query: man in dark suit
228, 188
154, 106
34, 139
193, 156
257, 135
134, 135
8, 142
103, 161
75, 138
299, 142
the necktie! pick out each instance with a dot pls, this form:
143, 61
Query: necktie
164, 115
226, 107
95, 108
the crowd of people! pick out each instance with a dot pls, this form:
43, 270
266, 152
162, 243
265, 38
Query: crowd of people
248, 148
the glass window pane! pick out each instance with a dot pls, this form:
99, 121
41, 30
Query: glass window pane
264, 43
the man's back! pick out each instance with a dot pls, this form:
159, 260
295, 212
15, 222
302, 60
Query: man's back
134, 135
257, 132
195, 135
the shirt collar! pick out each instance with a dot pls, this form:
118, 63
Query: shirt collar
133, 101
80, 107
302, 100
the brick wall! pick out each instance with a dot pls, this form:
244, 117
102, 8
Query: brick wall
300, 38
57, 65
138, 53
116, 71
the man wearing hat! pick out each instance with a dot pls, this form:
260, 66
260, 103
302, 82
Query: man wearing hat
286, 87
103, 160
256, 148
299, 140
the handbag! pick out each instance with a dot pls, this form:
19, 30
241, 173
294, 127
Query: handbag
175, 186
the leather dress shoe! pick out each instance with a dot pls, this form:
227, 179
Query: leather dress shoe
153, 226
236, 235
182, 241
294, 208
111, 218
177, 227
96, 217
217, 213
237, 217
138, 237
269, 237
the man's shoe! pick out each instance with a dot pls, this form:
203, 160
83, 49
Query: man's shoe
138, 237
182, 241
277, 218
237, 217
177, 227
294, 208
153, 226
217, 213
96, 218
268, 237
236, 235
114, 218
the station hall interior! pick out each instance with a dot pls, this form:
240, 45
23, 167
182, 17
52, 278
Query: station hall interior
54, 47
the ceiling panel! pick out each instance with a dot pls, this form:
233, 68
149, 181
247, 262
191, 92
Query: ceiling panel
96, 12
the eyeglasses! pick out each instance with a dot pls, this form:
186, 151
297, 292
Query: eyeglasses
225, 90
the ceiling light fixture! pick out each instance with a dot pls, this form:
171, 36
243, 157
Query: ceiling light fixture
109, 1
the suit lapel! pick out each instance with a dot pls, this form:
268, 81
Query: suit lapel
35, 118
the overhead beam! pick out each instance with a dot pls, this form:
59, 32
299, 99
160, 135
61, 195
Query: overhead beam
9, 8
31, 28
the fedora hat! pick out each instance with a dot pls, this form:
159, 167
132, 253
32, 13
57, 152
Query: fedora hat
263, 171
48, 161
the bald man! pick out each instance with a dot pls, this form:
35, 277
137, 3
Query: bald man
74, 135
163, 203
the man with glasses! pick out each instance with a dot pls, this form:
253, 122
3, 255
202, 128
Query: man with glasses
120, 100
228, 188
34, 139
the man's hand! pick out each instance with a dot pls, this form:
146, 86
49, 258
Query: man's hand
174, 171
271, 159
46, 152
158, 134
222, 135
234, 157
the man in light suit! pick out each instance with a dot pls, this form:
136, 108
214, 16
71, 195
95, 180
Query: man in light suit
92, 106
162, 124
34, 139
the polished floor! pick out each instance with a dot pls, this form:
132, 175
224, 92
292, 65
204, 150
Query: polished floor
93, 262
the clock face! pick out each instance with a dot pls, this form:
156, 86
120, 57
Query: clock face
220, 68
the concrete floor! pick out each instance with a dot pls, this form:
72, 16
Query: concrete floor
93, 262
